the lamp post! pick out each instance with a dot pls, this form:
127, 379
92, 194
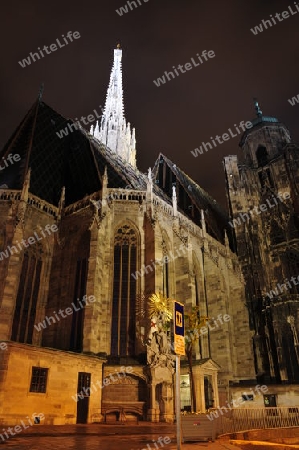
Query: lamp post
178, 402
179, 350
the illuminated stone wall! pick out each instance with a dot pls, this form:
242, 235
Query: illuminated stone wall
57, 404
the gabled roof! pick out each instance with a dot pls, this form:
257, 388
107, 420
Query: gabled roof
76, 160
191, 198
206, 363
55, 162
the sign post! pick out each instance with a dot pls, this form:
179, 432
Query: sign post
179, 350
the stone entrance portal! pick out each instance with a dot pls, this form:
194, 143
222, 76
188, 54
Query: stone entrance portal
205, 372
124, 400
161, 399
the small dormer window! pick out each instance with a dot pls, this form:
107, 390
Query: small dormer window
262, 156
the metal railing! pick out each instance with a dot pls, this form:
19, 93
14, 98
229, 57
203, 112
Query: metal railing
242, 419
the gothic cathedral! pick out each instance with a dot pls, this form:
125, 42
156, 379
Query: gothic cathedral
86, 239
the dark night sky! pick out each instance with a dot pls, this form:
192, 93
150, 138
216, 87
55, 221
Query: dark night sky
176, 117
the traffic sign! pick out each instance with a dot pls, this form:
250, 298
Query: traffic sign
179, 329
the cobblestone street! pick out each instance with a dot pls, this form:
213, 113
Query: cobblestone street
103, 437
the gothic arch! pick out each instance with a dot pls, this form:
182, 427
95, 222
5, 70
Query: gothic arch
126, 255
261, 155
131, 224
82, 252
168, 267
28, 294
198, 272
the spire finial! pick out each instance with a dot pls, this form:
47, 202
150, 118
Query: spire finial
41, 91
174, 200
258, 110
149, 175
113, 130
203, 222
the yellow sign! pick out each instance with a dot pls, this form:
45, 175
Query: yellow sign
179, 345
178, 319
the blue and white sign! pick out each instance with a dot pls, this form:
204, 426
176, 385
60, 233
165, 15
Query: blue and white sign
179, 329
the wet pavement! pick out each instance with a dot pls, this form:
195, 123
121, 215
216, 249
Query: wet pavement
103, 437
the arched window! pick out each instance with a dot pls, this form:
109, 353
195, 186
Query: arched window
27, 297
262, 156
76, 338
165, 267
165, 278
124, 292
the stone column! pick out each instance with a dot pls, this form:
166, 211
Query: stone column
215, 390
199, 388
152, 412
167, 398
11, 285
202, 392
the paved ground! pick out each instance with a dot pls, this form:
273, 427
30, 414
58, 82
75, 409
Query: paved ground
102, 437
117, 437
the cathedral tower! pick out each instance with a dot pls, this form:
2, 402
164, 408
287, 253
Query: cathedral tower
263, 205
113, 130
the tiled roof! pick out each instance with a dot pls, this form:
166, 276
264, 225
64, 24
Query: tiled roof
215, 217
76, 161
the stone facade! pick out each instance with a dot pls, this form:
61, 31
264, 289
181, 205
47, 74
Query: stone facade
263, 202
86, 239
18, 394
195, 260
284, 396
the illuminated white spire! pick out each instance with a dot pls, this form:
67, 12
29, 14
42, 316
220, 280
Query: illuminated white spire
114, 132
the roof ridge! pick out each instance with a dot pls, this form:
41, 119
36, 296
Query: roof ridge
19, 128
203, 191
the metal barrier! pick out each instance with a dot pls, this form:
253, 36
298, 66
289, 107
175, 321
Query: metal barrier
197, 427
242, 419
